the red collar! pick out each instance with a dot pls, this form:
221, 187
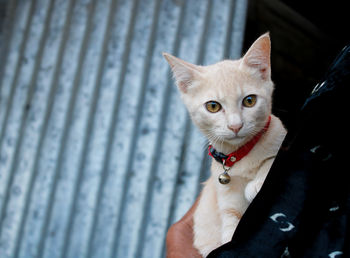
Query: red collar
230, 159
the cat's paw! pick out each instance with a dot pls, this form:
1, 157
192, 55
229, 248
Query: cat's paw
252, 189
226, 237
205, 247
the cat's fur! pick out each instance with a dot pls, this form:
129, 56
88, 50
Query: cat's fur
228, 82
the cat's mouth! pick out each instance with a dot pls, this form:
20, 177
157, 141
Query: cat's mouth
233, 138
223, 137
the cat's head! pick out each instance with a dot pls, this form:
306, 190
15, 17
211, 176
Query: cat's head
229, 101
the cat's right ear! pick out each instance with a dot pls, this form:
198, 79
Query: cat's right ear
184, 73
257, 57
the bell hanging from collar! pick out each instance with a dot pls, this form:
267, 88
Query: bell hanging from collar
224, 178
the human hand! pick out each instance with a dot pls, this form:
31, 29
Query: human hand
179, 239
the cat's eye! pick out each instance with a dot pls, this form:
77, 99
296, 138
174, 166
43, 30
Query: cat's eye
249, 101
213, 106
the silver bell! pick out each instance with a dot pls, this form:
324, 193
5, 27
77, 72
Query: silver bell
224, 178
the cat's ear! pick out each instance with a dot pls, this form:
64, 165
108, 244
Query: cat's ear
184, 73
258, 57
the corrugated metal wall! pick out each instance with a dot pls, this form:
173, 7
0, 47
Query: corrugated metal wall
97, 153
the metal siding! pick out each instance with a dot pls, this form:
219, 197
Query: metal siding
97, 153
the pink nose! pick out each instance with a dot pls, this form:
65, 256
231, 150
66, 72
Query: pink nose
235, 128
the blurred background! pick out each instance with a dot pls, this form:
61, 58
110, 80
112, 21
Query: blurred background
98, 156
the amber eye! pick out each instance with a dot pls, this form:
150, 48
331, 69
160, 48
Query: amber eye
249, 101
213, 106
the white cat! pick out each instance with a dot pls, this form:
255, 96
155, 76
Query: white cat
230, 102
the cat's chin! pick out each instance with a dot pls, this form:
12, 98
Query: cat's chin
230, 141
228, 145
233, 141
236, 140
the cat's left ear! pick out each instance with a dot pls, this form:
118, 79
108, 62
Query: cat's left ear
258, 57
185, 73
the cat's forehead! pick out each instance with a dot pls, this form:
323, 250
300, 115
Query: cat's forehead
227, 77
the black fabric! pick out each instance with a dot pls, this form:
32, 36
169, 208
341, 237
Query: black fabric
218, 156
303, 208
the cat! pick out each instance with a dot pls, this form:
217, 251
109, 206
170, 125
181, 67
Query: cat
230, 102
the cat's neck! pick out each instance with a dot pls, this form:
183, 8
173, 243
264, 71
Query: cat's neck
227, 148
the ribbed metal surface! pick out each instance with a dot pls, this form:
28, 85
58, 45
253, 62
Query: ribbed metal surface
97, 153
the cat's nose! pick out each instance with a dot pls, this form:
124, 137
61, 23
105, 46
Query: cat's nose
235, 127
